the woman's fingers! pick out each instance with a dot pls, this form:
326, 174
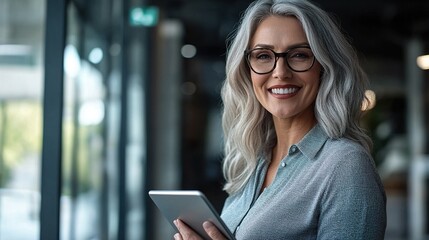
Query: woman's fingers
177, 236
185, 232
213, 231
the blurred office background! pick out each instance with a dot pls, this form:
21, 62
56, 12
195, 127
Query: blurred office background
103, 100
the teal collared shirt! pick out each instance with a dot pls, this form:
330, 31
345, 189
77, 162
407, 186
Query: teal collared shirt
324, 189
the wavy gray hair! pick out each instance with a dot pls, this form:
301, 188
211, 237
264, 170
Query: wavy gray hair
248, 127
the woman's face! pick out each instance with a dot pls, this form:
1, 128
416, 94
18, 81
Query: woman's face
284, 93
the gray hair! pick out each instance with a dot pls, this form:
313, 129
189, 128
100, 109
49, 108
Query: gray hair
248, 127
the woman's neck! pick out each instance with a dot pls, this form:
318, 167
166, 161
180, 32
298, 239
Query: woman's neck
289, 133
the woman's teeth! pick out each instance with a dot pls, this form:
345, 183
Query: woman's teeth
284, 90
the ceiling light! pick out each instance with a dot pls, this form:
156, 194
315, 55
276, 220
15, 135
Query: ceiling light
423, 62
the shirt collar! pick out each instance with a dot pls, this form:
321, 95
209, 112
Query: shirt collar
312, 142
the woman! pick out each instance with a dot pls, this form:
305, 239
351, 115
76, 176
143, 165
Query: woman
297, 164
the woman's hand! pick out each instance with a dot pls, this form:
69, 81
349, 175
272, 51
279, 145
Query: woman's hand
186, 233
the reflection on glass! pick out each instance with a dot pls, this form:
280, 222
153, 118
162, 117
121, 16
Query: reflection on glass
82, 156
21, 71
71, 61
96, 55
84, 198
91, 113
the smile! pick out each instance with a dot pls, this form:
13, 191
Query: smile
284, 90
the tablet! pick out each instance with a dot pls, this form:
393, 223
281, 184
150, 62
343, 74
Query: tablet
192, 207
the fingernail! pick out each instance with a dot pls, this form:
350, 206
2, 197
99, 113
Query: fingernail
176, 236
175, 222
207, 224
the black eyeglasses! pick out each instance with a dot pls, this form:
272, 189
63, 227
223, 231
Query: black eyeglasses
264, 60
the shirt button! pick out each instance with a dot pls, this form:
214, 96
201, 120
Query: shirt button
293, 149
283, 164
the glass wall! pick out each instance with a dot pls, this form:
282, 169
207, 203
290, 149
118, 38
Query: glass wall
21, 71
92, 111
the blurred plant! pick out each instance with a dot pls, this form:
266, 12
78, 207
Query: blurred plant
20, 134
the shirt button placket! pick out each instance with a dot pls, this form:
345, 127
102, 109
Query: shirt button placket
292, 150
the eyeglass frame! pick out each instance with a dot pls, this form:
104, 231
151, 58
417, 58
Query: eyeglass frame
277, 56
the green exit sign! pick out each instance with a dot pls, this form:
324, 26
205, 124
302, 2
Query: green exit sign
144, 16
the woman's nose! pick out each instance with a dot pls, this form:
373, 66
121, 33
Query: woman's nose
282, 69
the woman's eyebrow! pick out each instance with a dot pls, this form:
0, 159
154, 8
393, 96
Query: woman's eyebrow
302, 44
263, 46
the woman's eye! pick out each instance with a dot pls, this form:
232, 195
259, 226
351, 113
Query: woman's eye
264, 56
299, 55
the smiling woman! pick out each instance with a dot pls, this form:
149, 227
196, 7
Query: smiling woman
286, 92
297, 164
